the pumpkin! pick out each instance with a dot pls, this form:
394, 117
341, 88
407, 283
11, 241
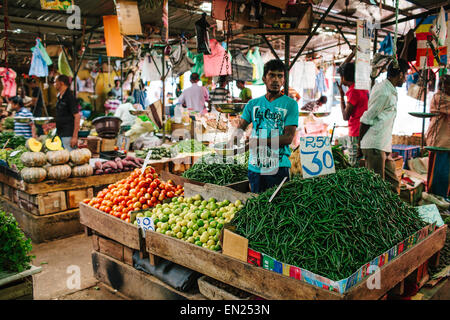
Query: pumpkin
54, 144
33, 145
33, 159
33, 175
85, 170
58, 157
80, 156
61, 172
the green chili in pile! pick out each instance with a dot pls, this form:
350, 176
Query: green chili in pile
217, 173
329, 225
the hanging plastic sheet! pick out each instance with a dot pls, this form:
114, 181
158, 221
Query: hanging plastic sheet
181, 62
241, 68
38, 66
151, 67
113, 37
216, 64
44, 53
386, 45
198, 62
63, 65
254, 57
8, 76
201, 28
424, 53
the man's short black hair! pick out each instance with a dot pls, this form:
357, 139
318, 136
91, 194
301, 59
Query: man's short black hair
194, 77
240, 81
111, 94
444, 81
223, 79
273, 65
348, 72
64, 79
323, 99
393, 72
17, 100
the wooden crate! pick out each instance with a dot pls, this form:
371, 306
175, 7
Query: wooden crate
271, 285
18, 286
41, 204
74, 197
213, 292
108, 144
68, 184
112, 248
111, 227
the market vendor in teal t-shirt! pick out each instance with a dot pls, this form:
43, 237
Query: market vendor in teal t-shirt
275, 118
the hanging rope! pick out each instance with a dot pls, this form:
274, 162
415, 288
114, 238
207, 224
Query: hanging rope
5, 43
394, 47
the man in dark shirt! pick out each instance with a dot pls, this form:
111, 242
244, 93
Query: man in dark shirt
37, 103
67, 114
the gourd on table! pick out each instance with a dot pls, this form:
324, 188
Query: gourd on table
80, 156
58, 157
85, 170
60, 172
33, 159
33, 175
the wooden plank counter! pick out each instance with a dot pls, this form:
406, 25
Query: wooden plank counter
68, 184
272, 285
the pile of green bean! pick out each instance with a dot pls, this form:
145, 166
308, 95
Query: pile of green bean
340, 159
217, 173
329, 225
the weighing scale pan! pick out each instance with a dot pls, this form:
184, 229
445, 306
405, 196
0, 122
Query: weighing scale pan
321, 114
229, 107
423, 114
431, 148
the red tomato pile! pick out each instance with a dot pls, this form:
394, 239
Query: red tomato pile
137, 192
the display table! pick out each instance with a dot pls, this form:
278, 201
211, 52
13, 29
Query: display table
18, 286
50, 209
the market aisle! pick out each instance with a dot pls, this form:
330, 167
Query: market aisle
55, 257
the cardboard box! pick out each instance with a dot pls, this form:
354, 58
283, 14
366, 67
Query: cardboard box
108, 145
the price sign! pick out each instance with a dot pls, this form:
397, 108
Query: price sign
316, 156
145, 223
146, 161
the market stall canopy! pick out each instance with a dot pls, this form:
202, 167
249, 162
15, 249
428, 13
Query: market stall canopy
28, 20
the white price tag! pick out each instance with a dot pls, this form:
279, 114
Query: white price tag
146, 161
145, 223
316, 156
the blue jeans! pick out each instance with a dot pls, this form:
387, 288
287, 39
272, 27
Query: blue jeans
261, 182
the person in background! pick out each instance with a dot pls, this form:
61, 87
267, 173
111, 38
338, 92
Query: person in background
313, 106
112, 103
37, 102
438, 135
378, 121
357, 104
220, 94
275, 118
67, 114
246, 94
123, 112
195, 96
117, 90
27, 130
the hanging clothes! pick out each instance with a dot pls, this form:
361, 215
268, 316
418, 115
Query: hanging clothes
151, 68
254, 57
63, 65
215, 64
198, 62
9, 82
140, 96
320, 82
241, 68
203, 41
386, 45
181, 62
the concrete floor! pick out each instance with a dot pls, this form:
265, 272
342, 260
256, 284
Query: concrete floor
65, 264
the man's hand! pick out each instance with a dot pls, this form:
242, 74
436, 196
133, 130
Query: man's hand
74, 142
341, 91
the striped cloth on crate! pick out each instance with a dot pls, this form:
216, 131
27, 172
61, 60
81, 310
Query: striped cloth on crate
23, 129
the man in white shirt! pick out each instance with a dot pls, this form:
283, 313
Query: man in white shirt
194, 97
123, 112
378, 121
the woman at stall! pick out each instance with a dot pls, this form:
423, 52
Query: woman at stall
438, 135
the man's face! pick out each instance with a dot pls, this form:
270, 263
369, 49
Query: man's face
273, 81
58, 84
401, 78
240, 85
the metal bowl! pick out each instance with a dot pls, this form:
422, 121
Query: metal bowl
321, 114
107, 126
229, 107
83, 133
23, 119
42, 120
221, 150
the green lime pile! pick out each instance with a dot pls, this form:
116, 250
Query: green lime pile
193, 219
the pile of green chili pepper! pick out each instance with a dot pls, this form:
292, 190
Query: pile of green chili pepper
340, 159
330, 225
217, 173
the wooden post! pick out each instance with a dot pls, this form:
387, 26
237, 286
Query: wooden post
287, 52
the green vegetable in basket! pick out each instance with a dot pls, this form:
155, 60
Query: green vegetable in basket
217, 173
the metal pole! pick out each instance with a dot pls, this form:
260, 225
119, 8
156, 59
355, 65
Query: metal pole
74, 66
424, 104
121, 80
322, 18
375, 44
287, 52
163, 93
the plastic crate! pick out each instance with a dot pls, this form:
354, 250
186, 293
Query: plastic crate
407, 152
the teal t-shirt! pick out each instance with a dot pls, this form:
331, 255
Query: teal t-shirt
269, 120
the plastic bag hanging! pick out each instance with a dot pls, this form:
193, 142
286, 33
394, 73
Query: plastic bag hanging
241, 68
39, 65
181, 62
63, 65
201, 28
